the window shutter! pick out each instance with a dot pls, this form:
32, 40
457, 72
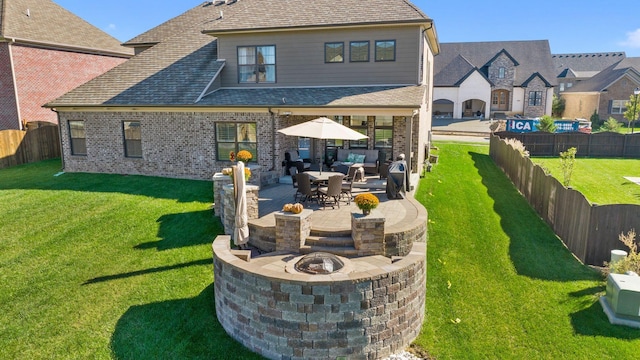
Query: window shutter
610, 106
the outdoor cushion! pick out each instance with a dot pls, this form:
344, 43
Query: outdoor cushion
359, 158
351, 158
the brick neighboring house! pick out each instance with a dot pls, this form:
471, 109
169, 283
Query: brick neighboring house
227, 75
605, 93
576, 67
493, 79
46, 51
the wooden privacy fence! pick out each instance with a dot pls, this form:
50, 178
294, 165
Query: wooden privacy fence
607, 144
21, 147
589, 231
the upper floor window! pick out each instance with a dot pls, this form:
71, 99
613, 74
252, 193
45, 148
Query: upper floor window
132, 139
334, 52
385, 50
359, 51
257, 64
535, 98
235, 137
561, 86
501, 72
618, 106
77, 137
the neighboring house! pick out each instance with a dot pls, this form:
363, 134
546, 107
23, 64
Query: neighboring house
225, 76
573, 68
45, 51
493, 79
606, 93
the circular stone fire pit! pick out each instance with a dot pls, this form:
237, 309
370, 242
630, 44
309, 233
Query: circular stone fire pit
371, 307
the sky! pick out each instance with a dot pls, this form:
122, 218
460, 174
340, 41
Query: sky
571, 26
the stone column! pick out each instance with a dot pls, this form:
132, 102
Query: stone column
229, 204
367, 232
219, 181
292, 229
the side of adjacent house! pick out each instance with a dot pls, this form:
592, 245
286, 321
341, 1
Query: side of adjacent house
494, 79
576, 67
605, 93
46, 51
221, 78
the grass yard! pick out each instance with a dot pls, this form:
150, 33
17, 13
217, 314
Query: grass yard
107, 267
601, 181
500, 285
119, 267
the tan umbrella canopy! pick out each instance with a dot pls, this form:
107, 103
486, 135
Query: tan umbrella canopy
323, 128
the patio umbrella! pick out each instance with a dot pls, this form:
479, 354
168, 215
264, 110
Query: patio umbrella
323, 128
241, 231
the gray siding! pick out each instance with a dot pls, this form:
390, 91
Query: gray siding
300, 57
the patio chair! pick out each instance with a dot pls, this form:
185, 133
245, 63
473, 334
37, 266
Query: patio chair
332, 192
305, 190
347, 186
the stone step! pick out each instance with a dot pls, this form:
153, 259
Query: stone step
346, 251
331, 233
331, 241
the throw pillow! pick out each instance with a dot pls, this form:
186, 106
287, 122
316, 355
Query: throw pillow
359, 158
351, 158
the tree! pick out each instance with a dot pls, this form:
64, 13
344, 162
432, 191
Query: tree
611, 125
546, 124
633, 110
557, 108
595, 119
567, 163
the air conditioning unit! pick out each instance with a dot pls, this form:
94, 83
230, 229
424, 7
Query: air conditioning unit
623, 295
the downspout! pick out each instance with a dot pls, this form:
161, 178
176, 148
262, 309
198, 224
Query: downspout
59, 138
15, 85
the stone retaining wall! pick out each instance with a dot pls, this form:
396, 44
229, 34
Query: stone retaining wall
373, 312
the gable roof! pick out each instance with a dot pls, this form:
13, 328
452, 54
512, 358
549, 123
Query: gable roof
260, 15
182, 63
585, 64
459, 68
533, 56
44, 23
608, 76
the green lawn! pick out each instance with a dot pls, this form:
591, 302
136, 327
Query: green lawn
107, 266
601, 181
494, 265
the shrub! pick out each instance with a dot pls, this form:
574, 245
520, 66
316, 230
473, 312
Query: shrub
546, 124
611, 125
567, 163
632, 261
595, 119
517, 145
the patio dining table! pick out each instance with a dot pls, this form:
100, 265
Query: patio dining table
318, 177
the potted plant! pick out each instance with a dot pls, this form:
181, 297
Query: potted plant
366, 202
244, 156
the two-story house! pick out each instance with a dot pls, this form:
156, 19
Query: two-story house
45, 51
226, 75
493, 79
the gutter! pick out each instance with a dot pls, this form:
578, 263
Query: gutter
58, 46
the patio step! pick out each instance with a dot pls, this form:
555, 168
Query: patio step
346, 232
346, 251
329, 241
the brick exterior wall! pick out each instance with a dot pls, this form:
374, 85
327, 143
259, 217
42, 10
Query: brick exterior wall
8, 106
620, 90
173, 144
505, 83
42, 75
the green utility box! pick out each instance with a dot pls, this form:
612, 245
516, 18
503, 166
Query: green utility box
623, 295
